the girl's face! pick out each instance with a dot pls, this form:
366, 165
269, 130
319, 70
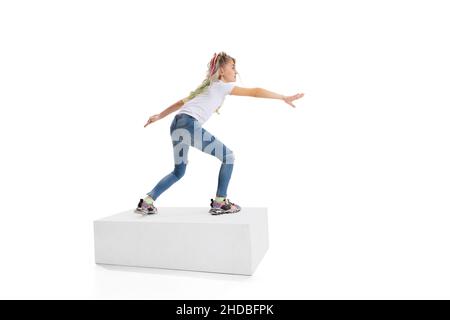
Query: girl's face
228, 72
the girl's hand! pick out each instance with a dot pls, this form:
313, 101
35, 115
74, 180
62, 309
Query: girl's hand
152, 119
289, 99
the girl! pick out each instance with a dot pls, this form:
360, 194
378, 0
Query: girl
186, 130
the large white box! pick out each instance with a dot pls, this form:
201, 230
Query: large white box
184, 239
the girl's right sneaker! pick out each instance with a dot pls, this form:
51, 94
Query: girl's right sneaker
223, 207
145, 208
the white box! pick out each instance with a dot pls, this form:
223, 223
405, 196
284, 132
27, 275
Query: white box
184, 239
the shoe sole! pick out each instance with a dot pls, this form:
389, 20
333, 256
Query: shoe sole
215, 212
140, 211
144, 213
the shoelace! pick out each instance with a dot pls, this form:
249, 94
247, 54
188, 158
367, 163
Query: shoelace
227, 201
151, 206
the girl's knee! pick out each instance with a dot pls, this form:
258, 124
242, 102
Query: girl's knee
229, 158
179, 171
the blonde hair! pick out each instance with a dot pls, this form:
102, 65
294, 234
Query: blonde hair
212, 75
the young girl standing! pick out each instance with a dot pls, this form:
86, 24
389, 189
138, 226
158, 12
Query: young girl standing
186, 130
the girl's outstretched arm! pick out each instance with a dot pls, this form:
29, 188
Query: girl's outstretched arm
263, 93
177, 105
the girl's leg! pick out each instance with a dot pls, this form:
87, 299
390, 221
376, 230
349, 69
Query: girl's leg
224, 178
175, 175
209, 144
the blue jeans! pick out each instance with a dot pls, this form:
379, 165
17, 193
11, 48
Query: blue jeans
186, 131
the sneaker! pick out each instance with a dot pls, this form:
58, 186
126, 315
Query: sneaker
145, 208
223, 207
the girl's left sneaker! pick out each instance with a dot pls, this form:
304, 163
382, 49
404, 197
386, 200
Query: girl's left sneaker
223, 207
145, 208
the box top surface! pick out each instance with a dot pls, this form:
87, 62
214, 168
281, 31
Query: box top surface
191, 215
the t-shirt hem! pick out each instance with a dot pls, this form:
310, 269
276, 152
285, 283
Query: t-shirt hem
192, 115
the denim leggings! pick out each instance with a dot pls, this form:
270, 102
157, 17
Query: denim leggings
186, 131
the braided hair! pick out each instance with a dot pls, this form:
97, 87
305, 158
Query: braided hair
212, 74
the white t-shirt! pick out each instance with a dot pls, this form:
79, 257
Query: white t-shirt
202, 106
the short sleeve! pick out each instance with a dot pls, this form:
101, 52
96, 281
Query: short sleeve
227, 87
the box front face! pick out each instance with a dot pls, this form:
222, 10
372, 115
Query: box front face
207, 247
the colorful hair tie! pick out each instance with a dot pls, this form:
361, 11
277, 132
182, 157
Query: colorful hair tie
213, 64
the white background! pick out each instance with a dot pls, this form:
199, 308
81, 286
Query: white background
356, 177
